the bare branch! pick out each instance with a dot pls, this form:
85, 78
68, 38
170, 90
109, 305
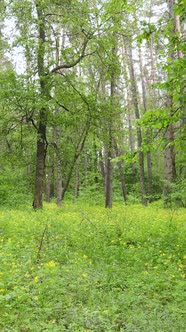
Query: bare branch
62, 106
77, 91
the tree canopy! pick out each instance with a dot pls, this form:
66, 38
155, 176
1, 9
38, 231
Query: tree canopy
92, 100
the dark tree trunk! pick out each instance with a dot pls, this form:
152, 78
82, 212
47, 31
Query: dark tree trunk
59, 185
40, 166
59, 188
149, 173
95, 162
102, 168
77, 181
41, 134
108, 176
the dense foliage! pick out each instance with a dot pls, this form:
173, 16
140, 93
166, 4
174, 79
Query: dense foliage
92, 112
92, 99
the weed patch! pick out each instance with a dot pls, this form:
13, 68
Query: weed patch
82, 268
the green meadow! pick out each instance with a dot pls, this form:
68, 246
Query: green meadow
84, 268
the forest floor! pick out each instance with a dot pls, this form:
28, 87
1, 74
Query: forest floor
86, 268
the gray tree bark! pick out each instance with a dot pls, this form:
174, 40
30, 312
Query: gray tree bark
138, 130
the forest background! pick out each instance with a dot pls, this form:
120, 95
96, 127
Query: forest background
92, 115
92, 101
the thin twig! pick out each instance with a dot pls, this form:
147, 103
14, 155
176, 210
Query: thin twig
41, 243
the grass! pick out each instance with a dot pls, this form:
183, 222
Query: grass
86, 268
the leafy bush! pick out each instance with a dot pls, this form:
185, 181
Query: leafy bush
178, 193
14, 189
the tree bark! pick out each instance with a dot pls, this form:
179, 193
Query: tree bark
169, 154
169, 165
50, 184
149, 158
108, 173
59, 187
121, 173
59, 184
139, 134
109, 145
102, 168
77, 181
41, 133
40, 162
130, 116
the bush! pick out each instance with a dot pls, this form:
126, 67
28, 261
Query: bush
14, 189
178, 193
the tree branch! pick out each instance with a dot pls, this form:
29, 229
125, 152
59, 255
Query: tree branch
77, 91
62, 106
75, 62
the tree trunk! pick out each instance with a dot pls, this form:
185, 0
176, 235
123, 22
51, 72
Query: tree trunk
95, 162
41, 134
169, 155
149, 158
59, 185
130, 116
102, 169
59, 188
50, 184
79, 149
108, 175
139, 134
121, 173
109, 145
40, 164
77, 181
169, 166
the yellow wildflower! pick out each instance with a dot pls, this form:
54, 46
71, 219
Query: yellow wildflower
84, 275
50, 264
36, 279
180, 267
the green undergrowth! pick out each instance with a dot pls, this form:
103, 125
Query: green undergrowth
86, 268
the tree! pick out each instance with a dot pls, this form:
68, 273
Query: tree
45, 27
139, 132
95, 86
170, 173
